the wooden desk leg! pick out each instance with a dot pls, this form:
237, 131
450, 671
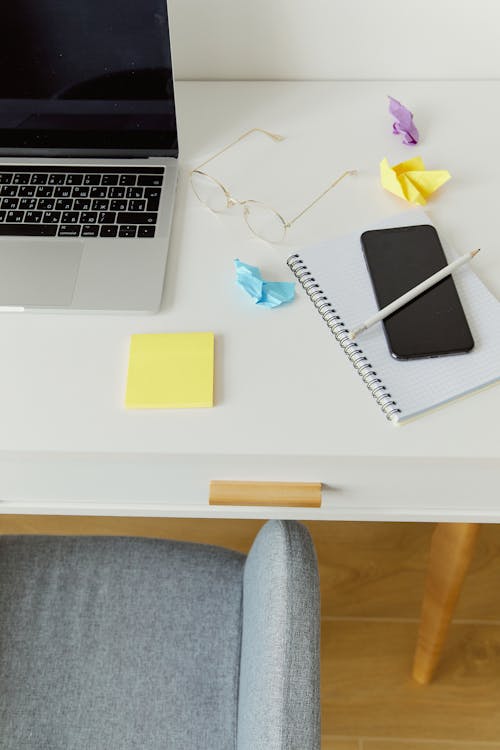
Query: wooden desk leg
451, 552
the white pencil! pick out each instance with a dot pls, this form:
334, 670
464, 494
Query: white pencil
422, 287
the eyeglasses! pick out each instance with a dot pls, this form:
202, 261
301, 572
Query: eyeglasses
265, 222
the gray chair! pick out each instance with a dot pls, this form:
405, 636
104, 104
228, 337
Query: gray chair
110, 643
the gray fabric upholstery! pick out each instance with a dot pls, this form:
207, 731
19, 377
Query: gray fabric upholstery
124, 643
279, 672
114, 644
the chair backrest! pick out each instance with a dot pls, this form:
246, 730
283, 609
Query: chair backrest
279, 702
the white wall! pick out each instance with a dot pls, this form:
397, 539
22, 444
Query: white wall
335, 39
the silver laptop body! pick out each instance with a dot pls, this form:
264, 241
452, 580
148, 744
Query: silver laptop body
88, 155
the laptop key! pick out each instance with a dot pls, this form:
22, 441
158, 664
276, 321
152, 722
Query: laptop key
114, 205
92, 179
74, 179
14, 216
129, 217
64, 204
39, 178
28, 230
127, 231
152, 200
98, 192
69, 217
134, 192
44, 191
27, 191
57, 179
69, 230
137, 205
146, 231
80, 192
127, 179
61, 191
109, 230
81, 204
21, 178
90, 230
9, 202
2, 215
106, 217
27, 204
100, 204
88, 217
109, 179
150, 179
116, 192
46, 204
5, 179
8, 190
52, 217
33, 216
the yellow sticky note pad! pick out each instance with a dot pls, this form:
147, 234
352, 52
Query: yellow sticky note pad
170, 371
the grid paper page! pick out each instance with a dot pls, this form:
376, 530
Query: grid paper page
339, 268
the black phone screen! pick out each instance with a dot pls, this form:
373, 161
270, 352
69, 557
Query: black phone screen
432, 324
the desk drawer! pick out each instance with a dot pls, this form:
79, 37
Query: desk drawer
352, 488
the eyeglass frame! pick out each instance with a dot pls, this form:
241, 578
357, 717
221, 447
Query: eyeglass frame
232, 201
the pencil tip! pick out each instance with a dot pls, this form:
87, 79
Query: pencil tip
475, 252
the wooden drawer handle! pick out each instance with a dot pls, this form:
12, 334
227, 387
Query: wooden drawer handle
285, 494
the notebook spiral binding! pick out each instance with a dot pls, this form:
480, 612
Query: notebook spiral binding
341, 333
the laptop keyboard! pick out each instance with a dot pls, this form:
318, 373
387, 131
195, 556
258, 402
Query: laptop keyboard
79, 201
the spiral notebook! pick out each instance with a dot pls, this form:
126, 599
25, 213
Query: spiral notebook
334, 275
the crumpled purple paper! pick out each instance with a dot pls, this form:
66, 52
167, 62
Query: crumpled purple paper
404, 124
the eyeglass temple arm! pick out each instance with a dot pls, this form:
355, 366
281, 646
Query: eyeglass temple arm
274, 136
313, 203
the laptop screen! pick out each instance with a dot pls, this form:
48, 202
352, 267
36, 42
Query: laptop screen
86, 75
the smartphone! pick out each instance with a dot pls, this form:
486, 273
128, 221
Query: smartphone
431, 325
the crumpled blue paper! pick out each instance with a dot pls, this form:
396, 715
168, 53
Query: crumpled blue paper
266, 293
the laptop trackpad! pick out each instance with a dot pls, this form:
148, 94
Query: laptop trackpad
38, 273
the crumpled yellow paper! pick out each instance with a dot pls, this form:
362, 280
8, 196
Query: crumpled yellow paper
411, 181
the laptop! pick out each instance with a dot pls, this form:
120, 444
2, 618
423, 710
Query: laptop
88, 155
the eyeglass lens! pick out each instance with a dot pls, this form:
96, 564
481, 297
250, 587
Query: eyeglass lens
209, 192
264, 221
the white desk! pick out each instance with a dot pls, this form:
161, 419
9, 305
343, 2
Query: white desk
289, 406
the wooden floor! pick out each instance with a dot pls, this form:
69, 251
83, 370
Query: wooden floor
372, 577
